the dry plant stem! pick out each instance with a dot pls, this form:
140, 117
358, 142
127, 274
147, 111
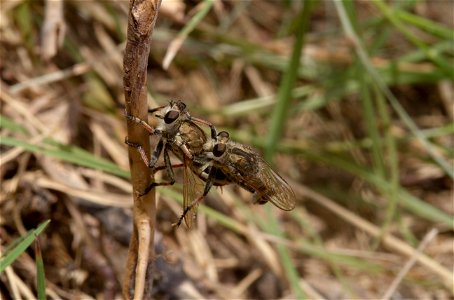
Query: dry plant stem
393, 287
54, 29
389, 240
141, 20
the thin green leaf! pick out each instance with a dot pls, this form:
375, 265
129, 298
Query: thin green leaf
392, 175
68, 153
273, 227
22, 244
196, 18
371, 125
441, 63
425, 24
389, 95
280, 113
7, 123
40, 274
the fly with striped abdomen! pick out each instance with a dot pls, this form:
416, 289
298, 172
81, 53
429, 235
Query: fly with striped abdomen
180, 134
216, 160
248, 169
243, 166
240, 164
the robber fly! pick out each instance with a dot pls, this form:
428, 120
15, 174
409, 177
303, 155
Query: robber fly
245, 167
236, 163
216, 161
181, 135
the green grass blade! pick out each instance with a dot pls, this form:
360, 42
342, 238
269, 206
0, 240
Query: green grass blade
277, 125
317, 249
442, 64
288, 81
40, 274
407, 200
68, 153
196, 19
203, 9
11, 125
371, 125
425, 24
245, 107
273, 227
389, 95
418, 55
20, 246
392, 163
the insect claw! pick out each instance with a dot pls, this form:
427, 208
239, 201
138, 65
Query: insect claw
177, 224
139, 195
134, 145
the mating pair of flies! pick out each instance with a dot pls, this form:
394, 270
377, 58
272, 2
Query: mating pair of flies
208, 160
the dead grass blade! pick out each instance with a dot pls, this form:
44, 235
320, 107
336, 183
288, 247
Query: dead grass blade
446, 276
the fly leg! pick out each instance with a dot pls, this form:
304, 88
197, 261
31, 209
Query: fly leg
152, 110
155, 155
141, 122
152, 162
179, 142
164, 167
214, 133
169, 170
209, 184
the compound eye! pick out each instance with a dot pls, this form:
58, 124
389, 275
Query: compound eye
223, 134
171, 116
218, 150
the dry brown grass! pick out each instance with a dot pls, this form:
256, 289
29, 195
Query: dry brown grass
346, 238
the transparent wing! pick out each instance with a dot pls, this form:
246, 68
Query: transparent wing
192, 188
270, 186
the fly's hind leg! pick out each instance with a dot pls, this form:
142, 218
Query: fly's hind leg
164, 167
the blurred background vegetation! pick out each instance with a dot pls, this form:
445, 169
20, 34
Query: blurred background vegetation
351, 102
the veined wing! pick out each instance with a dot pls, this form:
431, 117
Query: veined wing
192, 188
270, 186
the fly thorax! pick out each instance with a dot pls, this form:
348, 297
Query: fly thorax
244, 162
208, 146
